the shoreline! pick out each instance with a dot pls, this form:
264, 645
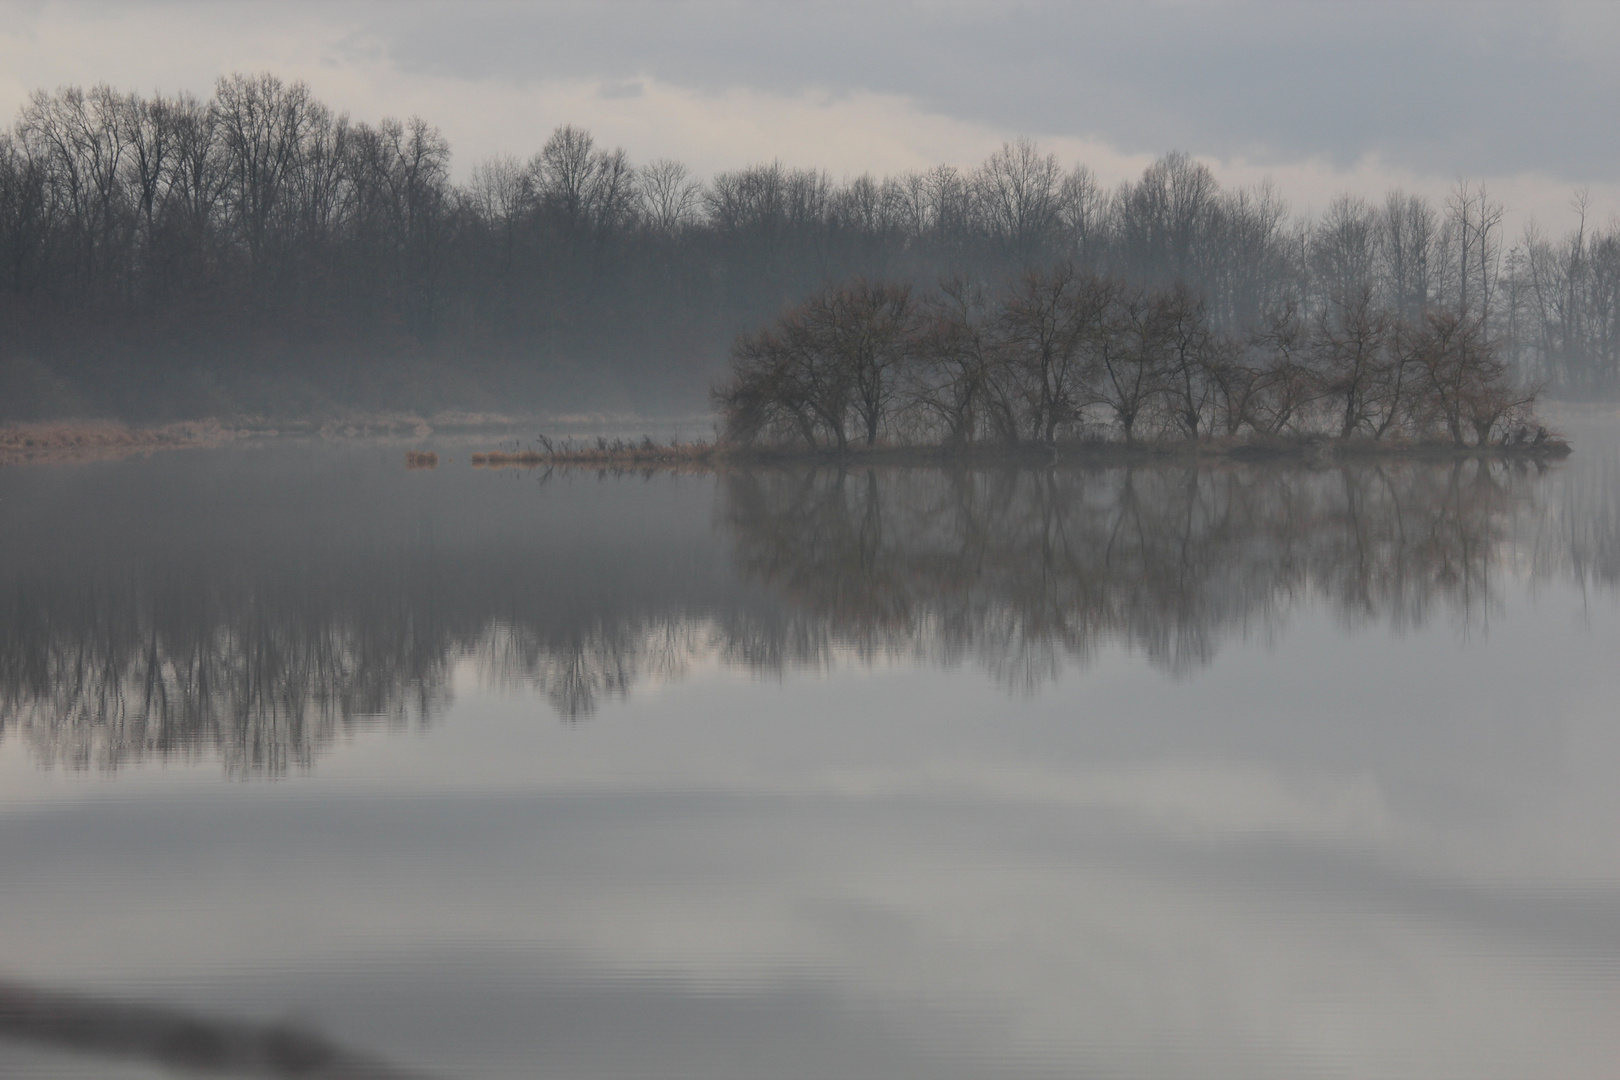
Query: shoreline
73, 442
67, 442
709, 456
82, 440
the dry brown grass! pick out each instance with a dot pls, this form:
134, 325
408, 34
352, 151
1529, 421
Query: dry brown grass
69, 442
646, 455
605, 454
372, 425
496, 459
418, 459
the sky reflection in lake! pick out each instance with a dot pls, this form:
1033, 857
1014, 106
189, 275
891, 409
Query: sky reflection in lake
1242, 771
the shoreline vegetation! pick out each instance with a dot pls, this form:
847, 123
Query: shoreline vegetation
1066, 362
645, 454
75, 442
1065, 354
1061, 363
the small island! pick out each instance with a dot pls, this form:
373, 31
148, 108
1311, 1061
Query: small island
1068, 363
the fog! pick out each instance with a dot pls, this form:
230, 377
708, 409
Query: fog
913, 538
259, 252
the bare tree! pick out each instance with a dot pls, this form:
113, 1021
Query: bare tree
80, 139
1249, 271
1020, 194
261, 123
1162, 219
669, 196
1348, 349
1393, 396
1046, 319
583, 188
957, 375
197, 176
835, 360
1466, 383
1127, 348
1472, 234
1407, 228
1191, 352
1284, 386
864, 330
1083, 216
1345, 250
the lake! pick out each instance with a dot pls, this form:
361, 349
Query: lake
1167, 771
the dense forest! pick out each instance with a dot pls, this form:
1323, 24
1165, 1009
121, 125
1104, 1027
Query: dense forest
259, 253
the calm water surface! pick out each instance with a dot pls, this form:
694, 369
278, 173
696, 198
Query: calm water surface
1231, 772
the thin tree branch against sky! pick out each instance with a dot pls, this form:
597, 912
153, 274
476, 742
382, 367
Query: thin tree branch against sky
1320, 96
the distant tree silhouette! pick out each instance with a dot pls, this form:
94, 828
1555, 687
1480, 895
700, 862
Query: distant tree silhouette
259, 252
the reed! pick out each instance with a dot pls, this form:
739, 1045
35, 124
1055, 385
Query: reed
76, 441
646, 454
604, 453
420, 459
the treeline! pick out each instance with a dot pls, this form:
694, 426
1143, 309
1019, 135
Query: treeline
1065, 354
260, 250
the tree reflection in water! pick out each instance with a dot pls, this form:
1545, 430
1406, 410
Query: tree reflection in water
260, 672
1030, 571
264, 661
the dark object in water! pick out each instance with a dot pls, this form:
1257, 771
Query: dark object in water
178, 1039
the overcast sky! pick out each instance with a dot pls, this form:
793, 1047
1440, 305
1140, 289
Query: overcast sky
1318, 96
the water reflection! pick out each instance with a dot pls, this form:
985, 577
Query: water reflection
234, 639
106, 672
1026, 570
188, 1043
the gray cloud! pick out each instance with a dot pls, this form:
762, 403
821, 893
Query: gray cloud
1439, 88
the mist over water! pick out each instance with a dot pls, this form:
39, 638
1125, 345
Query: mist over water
1151, 771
